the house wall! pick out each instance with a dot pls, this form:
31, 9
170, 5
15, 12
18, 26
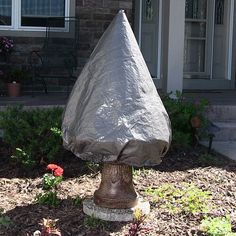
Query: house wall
94, 15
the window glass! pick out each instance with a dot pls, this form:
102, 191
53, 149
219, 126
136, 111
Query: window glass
219, 12
5, 12
36, 12
196, 9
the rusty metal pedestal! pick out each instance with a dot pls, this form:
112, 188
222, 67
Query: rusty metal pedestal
116, 189
115, 199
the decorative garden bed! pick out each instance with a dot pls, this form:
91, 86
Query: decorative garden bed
185, 176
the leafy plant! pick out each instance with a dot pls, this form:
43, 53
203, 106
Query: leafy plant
48, 228
136, 227
56, 131
92, 166
187, 198
78, 201
6, 45
219, 226
180, 112
50, 183
140, 171
92, 222
24, 158
48, 198
17, 75
51, 180
33, 134
4, 220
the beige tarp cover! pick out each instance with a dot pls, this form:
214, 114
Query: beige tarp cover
114, 112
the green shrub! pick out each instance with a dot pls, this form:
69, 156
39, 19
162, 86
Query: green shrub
180, 112
34, 135
219, 226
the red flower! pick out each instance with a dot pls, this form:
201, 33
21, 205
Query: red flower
52, 167
58, 171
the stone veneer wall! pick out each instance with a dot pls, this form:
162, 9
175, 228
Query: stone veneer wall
94, 15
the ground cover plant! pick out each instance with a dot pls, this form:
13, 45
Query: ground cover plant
191, 192
217, 226
185, 198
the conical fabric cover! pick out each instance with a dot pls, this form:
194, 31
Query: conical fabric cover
114, 113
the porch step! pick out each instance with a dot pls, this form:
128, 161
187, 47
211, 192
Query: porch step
221, 112
224, 117
226, 132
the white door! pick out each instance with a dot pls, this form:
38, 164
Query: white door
208, 43
147, 33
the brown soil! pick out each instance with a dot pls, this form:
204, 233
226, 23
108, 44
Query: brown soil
18, 189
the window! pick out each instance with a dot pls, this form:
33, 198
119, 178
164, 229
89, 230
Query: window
219, 12
31, 14
198, 50
5, 12
195, 36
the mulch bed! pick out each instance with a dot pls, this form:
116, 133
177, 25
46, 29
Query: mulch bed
18, 189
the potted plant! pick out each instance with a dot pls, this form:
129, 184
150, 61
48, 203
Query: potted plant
14, 80
196, 121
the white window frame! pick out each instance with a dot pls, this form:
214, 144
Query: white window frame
16, 18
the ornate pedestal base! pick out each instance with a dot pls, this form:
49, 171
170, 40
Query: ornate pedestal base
116, 190
108, 214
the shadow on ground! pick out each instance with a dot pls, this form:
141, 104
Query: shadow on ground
181, 159
72, 165
71, 221
177, 159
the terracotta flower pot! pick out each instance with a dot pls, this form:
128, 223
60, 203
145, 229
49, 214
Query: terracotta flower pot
195, 122
13, 89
